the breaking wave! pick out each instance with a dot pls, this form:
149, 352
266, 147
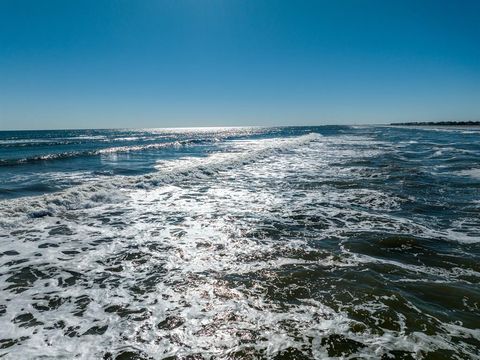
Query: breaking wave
351, 244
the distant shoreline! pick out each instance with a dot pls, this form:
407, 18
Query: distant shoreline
439, 123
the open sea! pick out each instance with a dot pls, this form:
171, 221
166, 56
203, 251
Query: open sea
330, 242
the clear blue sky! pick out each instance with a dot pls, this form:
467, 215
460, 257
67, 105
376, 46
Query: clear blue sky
71, 64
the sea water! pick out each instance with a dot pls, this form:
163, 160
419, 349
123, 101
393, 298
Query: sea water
240, 243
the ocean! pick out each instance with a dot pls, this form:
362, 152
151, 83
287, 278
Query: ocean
330, 242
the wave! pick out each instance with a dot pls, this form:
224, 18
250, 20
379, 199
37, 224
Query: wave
34, 143
178, 143
21, 142
260, 236
110, 150
473, 173
114, 189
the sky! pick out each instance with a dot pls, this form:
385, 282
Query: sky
175, 63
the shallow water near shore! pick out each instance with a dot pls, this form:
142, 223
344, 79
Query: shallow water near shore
240, 243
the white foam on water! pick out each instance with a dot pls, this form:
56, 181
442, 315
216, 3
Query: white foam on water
88, 195
474, 173
195, 259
